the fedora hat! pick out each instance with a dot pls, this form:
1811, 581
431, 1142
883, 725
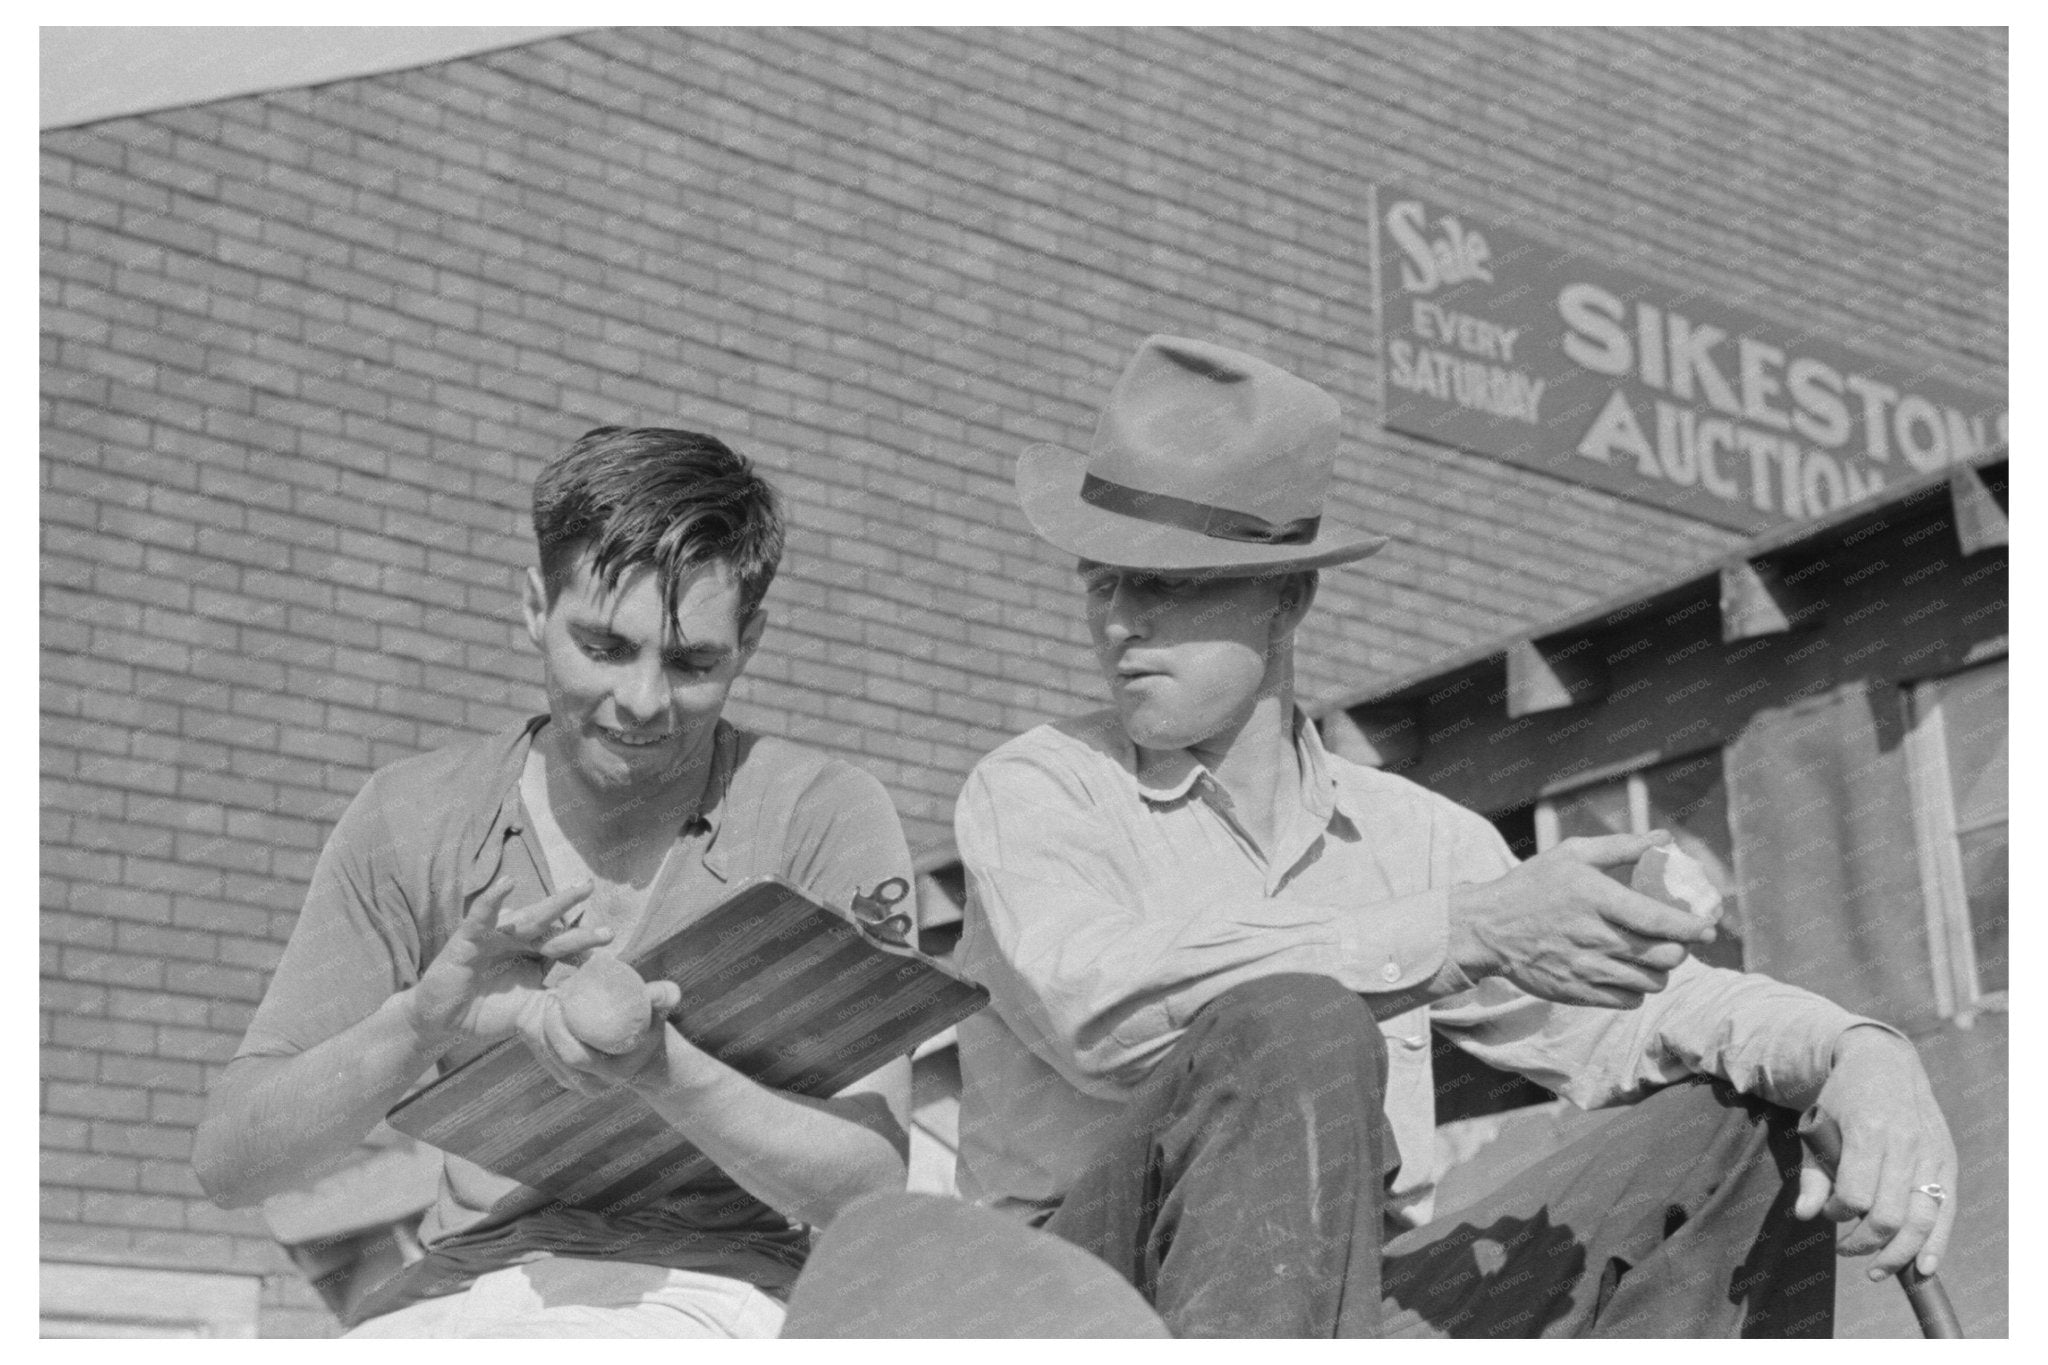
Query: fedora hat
1207, 461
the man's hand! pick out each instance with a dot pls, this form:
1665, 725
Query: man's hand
577, 1066
1561, 930
1894, 1140
475, 986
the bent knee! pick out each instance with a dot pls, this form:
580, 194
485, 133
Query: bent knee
1294, 1021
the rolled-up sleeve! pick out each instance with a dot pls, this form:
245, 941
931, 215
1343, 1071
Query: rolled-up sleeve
1762, 1036
1098, 982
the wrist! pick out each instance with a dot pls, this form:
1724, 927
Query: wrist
671, 1070
1466, 952
432, 1033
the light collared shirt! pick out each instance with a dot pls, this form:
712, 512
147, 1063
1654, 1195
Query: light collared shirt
1112, 894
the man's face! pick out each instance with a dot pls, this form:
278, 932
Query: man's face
631, 704
1185, 657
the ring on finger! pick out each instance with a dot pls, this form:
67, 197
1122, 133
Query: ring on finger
1937, 1193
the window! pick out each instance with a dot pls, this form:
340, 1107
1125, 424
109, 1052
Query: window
1956, 755
1686, 796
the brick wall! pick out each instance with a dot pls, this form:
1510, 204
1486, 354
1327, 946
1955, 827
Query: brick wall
303, 353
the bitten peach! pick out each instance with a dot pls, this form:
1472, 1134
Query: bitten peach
1673, 877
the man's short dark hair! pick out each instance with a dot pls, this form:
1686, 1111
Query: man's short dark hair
655, 496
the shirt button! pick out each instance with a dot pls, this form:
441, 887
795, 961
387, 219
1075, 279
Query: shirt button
1390, 973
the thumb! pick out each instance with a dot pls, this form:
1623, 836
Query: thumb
1814, 1188
1611, 850
664, 996
532, 1028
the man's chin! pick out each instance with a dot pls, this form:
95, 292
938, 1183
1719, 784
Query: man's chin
1149, 730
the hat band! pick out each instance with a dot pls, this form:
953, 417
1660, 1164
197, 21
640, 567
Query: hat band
1221, 523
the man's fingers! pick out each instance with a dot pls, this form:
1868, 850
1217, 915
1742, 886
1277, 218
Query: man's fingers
530, 920
539, 1017
1624, 975
1610, 850
663, 997
1657, 957
1887, 1228
1855, 1185
483, 911
1944, 1222
1638, 914
580, 939
1915, 1226
1661, 957
1814, 1188
563, 1053
1601, 997
595, 1072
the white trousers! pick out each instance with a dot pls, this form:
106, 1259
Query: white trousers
563, 1296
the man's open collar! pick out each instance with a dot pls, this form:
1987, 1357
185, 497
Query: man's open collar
711, 806
1166, 776
1320, 788
506, 761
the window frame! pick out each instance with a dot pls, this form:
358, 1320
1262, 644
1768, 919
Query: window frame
1637, 790
1958, 987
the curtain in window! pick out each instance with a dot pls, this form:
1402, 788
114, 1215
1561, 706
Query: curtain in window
1825, 853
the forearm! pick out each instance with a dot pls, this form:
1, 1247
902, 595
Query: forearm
1764, 1037
275, 1122
806, 1158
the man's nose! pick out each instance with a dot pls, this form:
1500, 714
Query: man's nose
641, 693
1122, 618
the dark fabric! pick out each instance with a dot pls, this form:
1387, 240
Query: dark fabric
920, 1265
1243, 1196
1242, 1193
1673, 1219
1223, 523
1821, 810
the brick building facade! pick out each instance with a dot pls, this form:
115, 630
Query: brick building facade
303, 352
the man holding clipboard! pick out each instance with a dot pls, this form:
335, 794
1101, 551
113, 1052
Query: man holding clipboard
456, 880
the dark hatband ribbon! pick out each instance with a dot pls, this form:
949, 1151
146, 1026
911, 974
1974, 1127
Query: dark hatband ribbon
1222, 523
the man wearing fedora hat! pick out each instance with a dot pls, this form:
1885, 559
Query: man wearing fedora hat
1216, 954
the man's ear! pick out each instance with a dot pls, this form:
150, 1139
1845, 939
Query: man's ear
535, 602
750, 633
1297, 595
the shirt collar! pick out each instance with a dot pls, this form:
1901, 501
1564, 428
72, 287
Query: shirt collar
500, 814
712, 805
509, 818
1166, 776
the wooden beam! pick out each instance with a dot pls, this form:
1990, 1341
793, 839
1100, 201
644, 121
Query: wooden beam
1551, 676
1386, 736
1980, 521
1757, 600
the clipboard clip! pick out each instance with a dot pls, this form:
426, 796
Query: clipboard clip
876, 914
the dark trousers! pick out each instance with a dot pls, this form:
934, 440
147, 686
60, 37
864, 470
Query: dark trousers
1244, 1196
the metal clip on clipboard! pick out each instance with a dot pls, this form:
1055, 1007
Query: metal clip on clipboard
876, 914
